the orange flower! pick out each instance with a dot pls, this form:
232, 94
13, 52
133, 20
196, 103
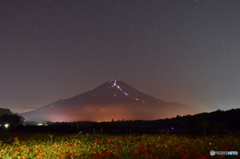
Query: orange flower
70, 145
98, 140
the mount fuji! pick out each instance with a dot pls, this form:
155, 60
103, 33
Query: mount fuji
111, 100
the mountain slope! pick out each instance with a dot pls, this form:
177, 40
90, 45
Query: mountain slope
111, 100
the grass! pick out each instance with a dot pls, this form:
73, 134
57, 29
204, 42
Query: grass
98, 146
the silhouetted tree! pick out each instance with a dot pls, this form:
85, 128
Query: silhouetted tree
12, 119
5, 111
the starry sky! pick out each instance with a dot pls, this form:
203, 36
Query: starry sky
184, 51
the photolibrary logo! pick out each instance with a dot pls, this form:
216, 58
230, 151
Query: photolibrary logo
212, 152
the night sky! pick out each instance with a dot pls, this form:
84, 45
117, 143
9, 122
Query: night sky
185, 51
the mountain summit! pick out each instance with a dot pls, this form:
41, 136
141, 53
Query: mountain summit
111, 100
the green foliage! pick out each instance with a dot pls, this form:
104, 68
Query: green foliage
96, 146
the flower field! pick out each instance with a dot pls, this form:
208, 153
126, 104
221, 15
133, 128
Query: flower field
98, 146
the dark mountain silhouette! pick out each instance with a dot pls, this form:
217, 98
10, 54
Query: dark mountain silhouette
111, 100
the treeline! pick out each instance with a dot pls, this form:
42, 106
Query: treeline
217, 122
